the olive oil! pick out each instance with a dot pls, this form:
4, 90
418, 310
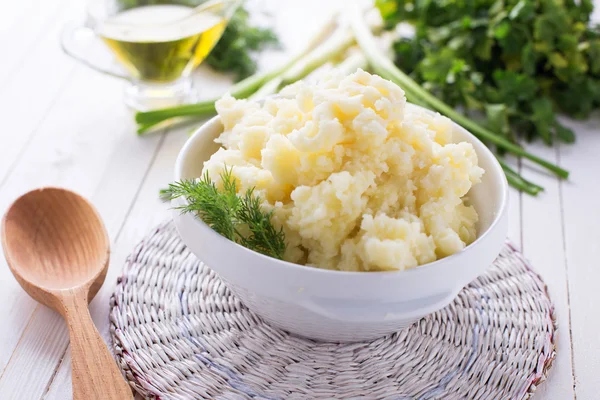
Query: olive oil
161, 43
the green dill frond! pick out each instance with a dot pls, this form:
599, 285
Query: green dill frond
164, 195
263, 237
205, 200
226, 212
229, 189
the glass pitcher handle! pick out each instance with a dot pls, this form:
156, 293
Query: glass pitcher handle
75, 39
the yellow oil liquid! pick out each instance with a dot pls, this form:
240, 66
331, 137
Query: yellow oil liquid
161, 43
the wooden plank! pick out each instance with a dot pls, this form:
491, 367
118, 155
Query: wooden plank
22, 26
31, 90
514, 217
543, 246
147, 212
80, 148
23, 381
60, 384
12, 17
581, 218
514, 207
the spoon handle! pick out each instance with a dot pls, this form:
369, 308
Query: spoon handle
95, 373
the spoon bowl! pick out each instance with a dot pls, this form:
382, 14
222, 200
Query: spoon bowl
52, 220
58, 250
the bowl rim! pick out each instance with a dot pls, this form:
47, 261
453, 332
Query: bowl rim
502, 209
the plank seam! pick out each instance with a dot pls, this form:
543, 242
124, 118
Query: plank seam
53, 377
143, 180
37, 306
566, 261
521, 240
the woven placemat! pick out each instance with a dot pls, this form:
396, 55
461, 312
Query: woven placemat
179, 333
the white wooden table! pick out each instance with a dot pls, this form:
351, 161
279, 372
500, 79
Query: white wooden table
65, 125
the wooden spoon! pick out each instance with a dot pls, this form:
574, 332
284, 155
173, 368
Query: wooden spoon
57, 247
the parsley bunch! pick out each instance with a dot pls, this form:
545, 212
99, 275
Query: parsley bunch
383, 66
238, 218
514, 63
234, 52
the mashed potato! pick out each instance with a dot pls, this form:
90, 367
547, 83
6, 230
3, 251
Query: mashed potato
356, 181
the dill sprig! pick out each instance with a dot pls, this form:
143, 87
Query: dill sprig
263, 236
229, 214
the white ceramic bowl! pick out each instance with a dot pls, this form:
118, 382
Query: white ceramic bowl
336, 305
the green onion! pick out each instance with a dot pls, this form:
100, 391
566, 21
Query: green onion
517, 181
339, 42
352, 63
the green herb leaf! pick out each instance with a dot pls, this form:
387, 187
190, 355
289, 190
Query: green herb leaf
229, 214
594, 56
528, 60
497, 118
522, 10
563, 133
514, 87
263, 236
502, 30
543, 118
234, 51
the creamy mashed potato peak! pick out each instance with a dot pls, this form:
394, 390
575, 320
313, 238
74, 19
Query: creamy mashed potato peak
357, 180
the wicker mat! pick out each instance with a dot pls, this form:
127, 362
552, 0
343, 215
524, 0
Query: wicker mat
178, 333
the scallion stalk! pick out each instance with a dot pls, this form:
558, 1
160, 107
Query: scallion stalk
269, 88
517, 181
339, 42
352, 63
